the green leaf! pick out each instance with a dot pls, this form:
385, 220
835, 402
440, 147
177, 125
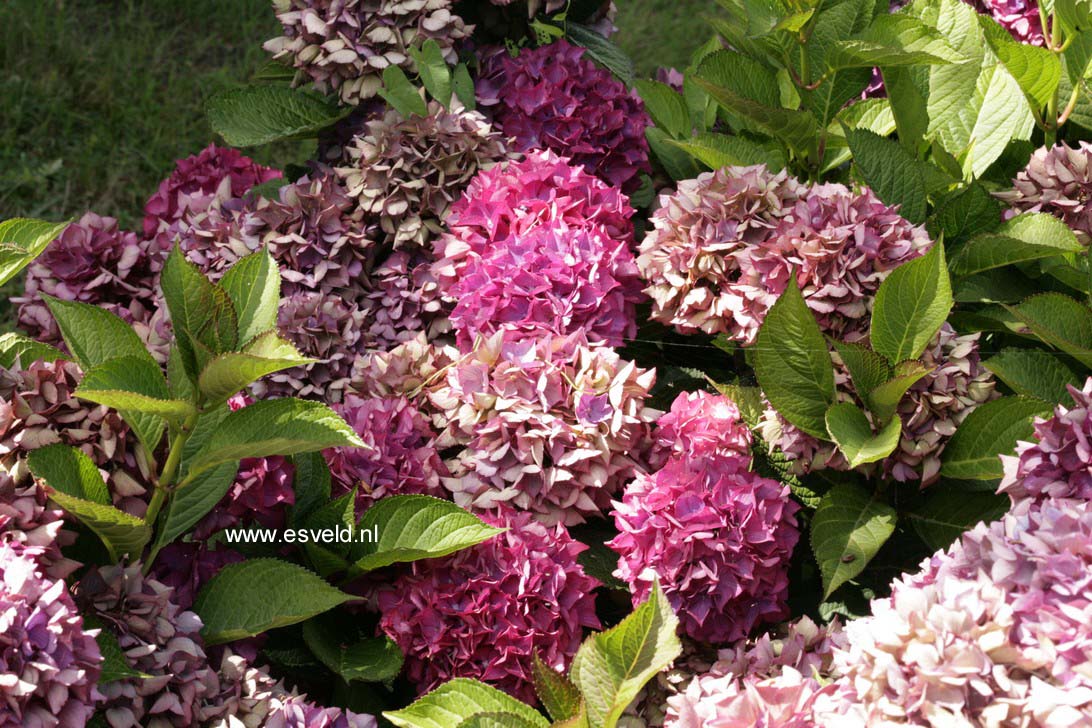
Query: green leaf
666, 107
401, 94
255, 115
867, 369
93, 334
255, 596
22, 240
556, 692
1037, 70
231, 372
991, 429
69, 470
189, 505
720, 150
115, 666
122, 534
970, 211
894, 40
891, 171
793, 365
18, 348
1078, 56
254, 286
202, 315
464, 87
274, 427
797, 129
133, 384
457, 700
1000, 285
497, 720
434, 72
310, 485
413, 527
1030, 236
874, 115
602, 51
611, 667
742, 75
1060, 321
947, 512
847, 530
883, 400
1034, 373
376, 659
911, 306
851, 431
676, 162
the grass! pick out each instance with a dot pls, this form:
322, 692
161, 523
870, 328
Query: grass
662, 32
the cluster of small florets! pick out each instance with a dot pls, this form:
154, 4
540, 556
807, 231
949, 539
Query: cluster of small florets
931, 411
1057, 181
549, 425
1020, 17
724, 245
553, 97
342, 46
717, 536
484, 612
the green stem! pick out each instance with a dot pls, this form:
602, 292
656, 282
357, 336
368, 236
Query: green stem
167, 477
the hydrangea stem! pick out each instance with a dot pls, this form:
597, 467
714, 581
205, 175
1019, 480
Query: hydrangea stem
170, 469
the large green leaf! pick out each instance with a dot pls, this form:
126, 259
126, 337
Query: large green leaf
874, 115
189, 505
413, 527
720, 150
992, 429
883, 400
851, 431
891, 171
22, 240
602, 51
255, 596
966, 213
18, 348
69, 470
848, 528
1034, 373
557, 693
202, 315
254, 286
1037, 70
867, 369
1030, 236
373, 659
894, 40
401, 94
230, 372
136, 387
254, 115
666, 107
797, 129
93, 334
1060, 321
122, 534
274, 427
457, 700
434, 71
793, 365
947, 512
911, 305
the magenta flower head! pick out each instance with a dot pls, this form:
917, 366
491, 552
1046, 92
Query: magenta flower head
547, 425
342, 46
197, 180
1019, 17
485, 611
698, 425
1058, 464
543, 190
550, 281
92, 261
719, 539
401, 458
1057, 181
552, 97
48, 664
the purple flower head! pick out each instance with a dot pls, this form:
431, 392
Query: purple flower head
402, 457
402, 299
29, 520
510, 200
699, 425
185, 567
48, 664
1057, 181
197, 180
553, 97
553, 280
92, 261
717, 536
485, 611
547, 425
1019, 17
343, 46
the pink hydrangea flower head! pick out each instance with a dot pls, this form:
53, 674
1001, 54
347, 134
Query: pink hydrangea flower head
553, 97
1058, 464
29, 520
48, 664
197, 180
784, 700
402, 457
406, 172
552, 280
719, 539
485, 611
547, 425
402, 299
342, 46
1019, 17
1057, 181
509, 200
91, 261
691, 256
701, 424
407, 369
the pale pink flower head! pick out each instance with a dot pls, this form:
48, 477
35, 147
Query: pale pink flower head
48, 663
484, 612
701, 424
1057, 181
719, 539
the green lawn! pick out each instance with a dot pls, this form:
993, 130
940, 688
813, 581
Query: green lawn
100, 96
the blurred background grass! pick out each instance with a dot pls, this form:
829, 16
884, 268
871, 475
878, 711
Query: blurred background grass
99, 97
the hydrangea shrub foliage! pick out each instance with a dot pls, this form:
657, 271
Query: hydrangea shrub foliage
757, 393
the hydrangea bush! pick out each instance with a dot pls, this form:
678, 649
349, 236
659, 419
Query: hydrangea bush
758, 393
